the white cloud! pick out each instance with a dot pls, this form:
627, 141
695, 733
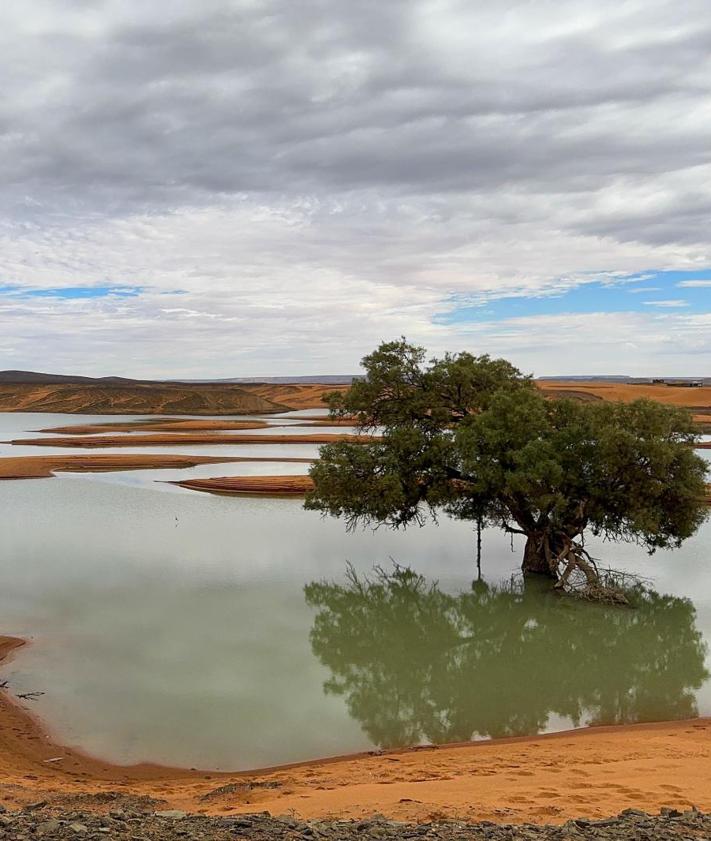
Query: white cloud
694, 284
292, 183
668, 304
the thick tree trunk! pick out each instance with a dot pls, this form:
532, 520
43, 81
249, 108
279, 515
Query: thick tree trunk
535, 561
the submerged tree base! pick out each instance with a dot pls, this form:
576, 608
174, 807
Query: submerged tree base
610, 587
560, 559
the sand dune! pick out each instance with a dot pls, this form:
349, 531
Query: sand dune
163, 439
41, 467
691, 398
295, 395
133, 399
118, 396
163, 425
251, 485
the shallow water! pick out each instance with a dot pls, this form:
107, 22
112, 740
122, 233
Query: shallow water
176, 627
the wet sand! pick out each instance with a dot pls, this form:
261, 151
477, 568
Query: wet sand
251, 485
42, 467
150, 440
163, 425
592, 773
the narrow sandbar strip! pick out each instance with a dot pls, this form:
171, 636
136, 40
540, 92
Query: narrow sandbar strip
163, 425
148, 440
43, 467
251, 485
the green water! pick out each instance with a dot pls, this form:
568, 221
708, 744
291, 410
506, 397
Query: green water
225, 633
416, 664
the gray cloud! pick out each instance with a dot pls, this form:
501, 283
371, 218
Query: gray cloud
237, 149
315, 96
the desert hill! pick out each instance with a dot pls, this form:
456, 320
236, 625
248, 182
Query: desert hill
33, 391
29, 391
295, 395
134, 398
672, 395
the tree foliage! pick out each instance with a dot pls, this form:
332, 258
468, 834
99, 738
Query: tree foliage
473, 437
415, 663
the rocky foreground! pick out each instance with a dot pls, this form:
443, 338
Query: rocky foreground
38, 821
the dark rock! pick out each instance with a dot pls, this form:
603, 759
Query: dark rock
48, 827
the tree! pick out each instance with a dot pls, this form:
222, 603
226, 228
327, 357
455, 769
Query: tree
473, 437
415, 663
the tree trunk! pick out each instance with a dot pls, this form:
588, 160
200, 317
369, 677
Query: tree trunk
535, 561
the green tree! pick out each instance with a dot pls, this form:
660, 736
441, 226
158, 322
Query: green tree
415, 663
473, 437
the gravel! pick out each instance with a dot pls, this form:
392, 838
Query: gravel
49, 824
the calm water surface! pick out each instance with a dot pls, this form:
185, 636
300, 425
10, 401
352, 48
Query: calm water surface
226, 633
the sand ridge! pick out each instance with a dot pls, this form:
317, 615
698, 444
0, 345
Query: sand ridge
129, 398
161, 439
44, 467
289, 485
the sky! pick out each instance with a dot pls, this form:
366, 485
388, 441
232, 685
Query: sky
219, 188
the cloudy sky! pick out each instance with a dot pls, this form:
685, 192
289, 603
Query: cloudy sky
221, 188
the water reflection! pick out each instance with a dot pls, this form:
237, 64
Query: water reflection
416, 664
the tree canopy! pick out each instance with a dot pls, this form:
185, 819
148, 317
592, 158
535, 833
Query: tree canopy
473, 437
415, 663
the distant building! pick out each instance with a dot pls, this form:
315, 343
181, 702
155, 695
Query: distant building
685, 383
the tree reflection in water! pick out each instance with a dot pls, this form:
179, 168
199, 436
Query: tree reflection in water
416, 664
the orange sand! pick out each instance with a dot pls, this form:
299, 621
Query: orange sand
692, 398
185, 438
251, 485
41, 467
273, 485
590, 773
164, 425
294, 395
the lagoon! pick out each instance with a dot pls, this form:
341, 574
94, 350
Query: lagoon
175, 627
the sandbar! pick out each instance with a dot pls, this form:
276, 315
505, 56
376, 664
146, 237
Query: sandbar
43, 467
151, 440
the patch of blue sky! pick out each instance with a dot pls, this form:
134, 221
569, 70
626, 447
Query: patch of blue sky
651, 291
70, 293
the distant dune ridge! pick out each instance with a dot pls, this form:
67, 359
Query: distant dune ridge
29, 391
134, 399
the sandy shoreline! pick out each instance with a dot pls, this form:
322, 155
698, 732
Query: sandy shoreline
591, 773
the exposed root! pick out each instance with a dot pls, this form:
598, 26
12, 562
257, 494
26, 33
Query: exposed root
580, 575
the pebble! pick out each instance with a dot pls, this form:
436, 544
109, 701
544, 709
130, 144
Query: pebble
145, 825
47, 827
